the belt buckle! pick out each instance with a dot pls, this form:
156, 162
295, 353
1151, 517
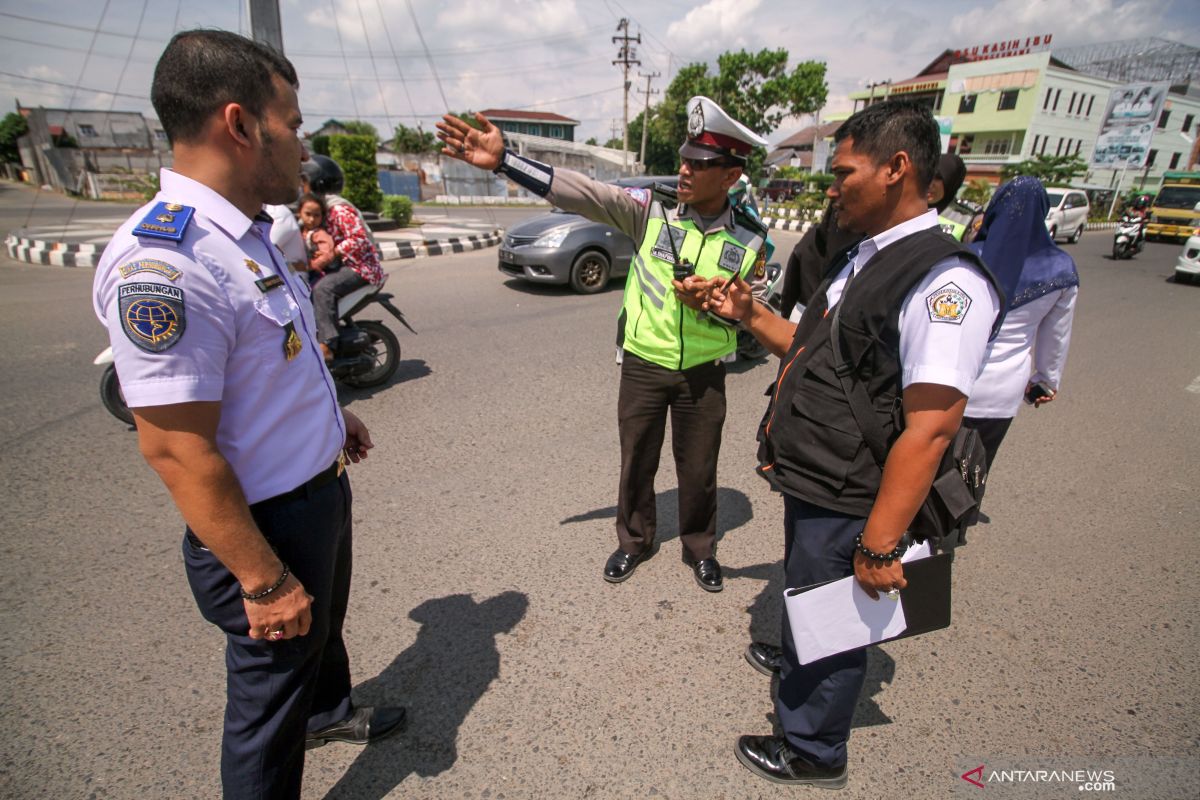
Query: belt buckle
341, 463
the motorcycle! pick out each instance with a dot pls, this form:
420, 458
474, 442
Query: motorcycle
365, 354
748, 347
1129, 237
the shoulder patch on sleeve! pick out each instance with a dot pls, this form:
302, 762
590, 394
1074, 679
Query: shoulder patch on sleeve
149, 265
731, 257
152, 315
948, 304
166, 220
640, 196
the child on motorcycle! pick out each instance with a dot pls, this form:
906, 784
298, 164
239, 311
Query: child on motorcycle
322, 257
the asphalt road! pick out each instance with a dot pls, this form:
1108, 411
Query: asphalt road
483, 519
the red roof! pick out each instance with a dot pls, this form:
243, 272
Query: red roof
527, 116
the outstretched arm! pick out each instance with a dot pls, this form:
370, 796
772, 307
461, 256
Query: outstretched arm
483, 148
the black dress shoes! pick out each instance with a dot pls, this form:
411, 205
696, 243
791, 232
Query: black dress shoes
620, 566
770, 757
367, 724
766, 658
708, 574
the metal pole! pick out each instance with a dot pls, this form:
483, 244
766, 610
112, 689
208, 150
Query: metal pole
1117, 193
264, 22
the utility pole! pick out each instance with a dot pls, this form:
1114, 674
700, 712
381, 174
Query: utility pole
626, 57
646, 115
264, 23
613, 127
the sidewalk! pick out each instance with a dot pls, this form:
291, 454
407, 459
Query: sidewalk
80, 242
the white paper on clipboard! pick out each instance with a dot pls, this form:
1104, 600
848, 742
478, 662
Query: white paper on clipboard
840, 616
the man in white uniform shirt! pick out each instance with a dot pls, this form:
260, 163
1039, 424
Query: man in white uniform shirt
915, 311
213, 339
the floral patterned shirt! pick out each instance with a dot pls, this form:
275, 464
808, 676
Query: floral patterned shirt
352, 242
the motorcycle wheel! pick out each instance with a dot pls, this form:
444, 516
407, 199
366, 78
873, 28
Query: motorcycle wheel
111, 396
386, 349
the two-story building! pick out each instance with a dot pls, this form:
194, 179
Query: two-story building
533, 123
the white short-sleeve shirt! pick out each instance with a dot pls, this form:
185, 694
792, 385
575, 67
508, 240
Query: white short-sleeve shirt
946, 319
207, 319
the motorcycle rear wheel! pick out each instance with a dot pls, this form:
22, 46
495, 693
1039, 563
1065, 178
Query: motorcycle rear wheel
111, 396
387, 356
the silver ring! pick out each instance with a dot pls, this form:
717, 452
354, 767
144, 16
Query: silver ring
892, 593
275, 636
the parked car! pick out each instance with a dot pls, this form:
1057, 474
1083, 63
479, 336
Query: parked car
1068, 215
782, 190
560, 247
1187, 268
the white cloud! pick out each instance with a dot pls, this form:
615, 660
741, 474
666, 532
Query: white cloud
713, 28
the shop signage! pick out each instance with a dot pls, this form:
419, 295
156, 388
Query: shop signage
1012, 47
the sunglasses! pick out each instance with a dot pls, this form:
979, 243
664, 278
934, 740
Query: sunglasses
699, 165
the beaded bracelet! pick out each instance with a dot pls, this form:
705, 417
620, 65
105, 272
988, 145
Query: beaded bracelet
260, 595
896, 552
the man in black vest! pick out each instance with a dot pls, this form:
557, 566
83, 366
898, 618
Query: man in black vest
916, 310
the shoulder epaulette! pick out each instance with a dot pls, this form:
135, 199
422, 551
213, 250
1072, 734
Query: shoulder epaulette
666, 195
165, 221
744, 217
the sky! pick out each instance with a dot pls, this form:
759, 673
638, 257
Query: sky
395, 62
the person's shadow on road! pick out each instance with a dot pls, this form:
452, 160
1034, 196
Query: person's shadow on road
439, 678
733, 511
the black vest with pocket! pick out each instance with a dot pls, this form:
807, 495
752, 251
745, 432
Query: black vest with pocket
810, 445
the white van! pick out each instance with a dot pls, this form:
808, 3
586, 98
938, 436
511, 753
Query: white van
1068, 213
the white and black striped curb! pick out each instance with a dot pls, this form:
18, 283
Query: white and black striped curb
392, 250
61, 254
1101, 226
57, 254
777, 224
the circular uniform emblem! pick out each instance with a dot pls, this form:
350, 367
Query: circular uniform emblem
696, 120
152, 315
173, 207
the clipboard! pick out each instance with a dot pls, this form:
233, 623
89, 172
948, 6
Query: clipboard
842, 617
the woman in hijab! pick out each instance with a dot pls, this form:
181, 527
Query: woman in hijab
1040, 283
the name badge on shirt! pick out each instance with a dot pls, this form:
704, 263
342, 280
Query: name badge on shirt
731, 257
268, 283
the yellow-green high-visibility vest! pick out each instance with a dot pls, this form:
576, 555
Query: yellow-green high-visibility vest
657, 327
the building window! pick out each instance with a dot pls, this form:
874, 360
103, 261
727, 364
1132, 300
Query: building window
1150, 158
1008, 100
556, 132
1046, 102
87, 130
1174, 160
1162, 120
534, 130
1057, 94
1071, 107
1187, 122
996, 147
160, 135
1091, 100
1045, 141
1078, 146
965, 144
1058, 150
966, 105
1033, 150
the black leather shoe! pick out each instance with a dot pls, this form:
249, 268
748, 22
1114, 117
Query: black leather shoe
770, 757
766, 658
367, 724
708, 575
620, 566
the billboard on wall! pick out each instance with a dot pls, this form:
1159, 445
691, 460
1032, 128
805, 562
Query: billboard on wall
1128, 126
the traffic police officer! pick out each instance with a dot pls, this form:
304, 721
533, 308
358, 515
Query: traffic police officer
213, 339
915, 310
672, 349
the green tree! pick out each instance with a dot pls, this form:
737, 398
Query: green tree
1048, 169
978, 191
591, 140
413, 140
12, 127
356, 156
357, 127
756, 89
469, 118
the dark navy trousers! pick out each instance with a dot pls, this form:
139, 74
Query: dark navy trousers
277, 691
816, 701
